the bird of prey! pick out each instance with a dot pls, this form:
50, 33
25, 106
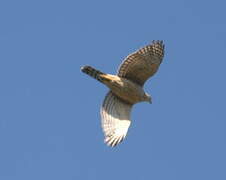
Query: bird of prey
126, 89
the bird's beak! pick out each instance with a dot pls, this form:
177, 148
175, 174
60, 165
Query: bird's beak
150, 101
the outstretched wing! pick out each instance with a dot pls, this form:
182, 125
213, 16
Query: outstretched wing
115, 115
142, 64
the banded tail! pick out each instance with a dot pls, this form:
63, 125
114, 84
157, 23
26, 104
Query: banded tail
94, 73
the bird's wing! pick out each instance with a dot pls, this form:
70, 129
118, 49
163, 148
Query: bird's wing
115, 119
142, 64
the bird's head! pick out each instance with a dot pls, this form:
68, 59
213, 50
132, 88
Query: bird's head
147, 98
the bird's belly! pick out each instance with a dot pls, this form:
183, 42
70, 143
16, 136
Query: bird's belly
128, 91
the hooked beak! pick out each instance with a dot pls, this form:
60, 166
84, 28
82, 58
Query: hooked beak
150, 101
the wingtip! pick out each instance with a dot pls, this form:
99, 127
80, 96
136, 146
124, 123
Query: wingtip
159, 42
113, 141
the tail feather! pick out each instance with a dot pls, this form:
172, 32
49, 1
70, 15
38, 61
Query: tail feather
94, 73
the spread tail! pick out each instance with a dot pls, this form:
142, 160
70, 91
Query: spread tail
96, 74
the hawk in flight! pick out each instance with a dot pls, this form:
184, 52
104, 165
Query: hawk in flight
126, 89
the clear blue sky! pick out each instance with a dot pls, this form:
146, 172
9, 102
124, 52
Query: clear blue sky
49, 110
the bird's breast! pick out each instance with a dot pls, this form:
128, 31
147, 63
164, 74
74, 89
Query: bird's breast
127, 90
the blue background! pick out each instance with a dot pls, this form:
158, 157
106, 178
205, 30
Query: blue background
49, 111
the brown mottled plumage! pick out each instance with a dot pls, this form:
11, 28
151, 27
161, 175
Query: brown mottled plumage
126, 89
